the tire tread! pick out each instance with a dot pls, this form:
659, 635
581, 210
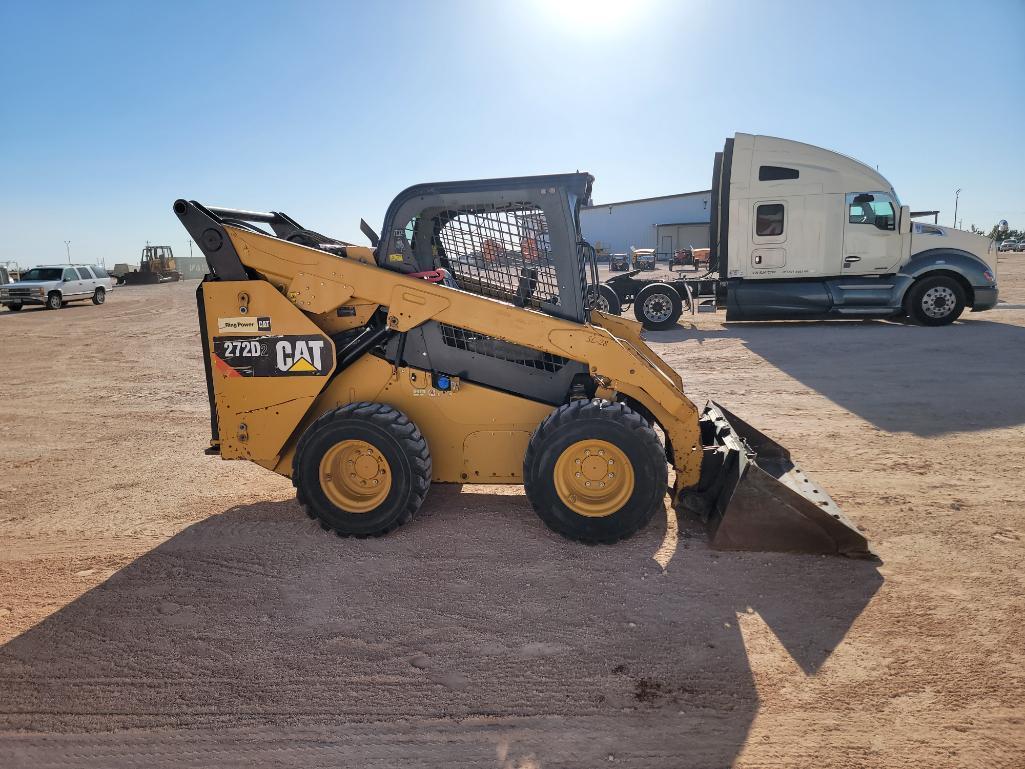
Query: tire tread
554, 423
402, 429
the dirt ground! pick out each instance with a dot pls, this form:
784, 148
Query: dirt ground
163, 608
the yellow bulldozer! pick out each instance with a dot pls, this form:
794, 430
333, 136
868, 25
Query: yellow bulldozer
462, 346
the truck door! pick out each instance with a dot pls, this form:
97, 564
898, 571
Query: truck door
72, 284
768, 238
87, 283
871, 243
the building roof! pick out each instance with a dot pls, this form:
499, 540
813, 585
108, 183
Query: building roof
645, 200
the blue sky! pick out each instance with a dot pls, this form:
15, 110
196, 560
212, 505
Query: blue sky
327, 110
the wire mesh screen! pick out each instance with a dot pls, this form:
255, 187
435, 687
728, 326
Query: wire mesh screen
489, 346
504, 253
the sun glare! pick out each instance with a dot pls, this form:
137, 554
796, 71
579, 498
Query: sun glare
592, 16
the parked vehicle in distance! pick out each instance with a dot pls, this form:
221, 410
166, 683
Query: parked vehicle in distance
619, 263
1010, 245
798, 231
643, 258
55, 286
157, 265
683, 257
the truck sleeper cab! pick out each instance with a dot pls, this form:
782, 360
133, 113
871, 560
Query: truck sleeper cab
798, 231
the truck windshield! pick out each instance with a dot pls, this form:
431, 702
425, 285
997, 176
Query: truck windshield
43, 273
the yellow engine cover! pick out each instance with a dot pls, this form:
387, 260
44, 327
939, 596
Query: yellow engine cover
268, 363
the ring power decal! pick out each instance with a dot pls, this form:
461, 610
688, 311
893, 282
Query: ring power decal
272, 355
243, 325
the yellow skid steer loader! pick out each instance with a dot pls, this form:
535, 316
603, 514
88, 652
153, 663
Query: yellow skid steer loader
462, 347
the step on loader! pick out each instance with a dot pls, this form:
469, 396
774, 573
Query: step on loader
462, 346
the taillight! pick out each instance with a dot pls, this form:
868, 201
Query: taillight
988, 275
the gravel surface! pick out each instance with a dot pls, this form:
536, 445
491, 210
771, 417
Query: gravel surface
163, 608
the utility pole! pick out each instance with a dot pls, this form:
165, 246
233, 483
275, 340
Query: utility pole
67, 245
957, 194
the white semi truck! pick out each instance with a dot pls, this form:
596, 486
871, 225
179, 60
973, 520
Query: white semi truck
798, 231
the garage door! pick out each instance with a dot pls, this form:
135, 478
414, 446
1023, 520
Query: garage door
674, 236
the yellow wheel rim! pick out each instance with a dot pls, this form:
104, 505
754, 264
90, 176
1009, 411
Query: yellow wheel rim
594, 478
355, 476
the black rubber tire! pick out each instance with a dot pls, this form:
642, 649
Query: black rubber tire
606, 293
673, 299
54, 301
612, 422
15, 307
395, 436
99, 295
917, 294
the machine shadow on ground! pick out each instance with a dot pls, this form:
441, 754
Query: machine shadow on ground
941, 370
469, 633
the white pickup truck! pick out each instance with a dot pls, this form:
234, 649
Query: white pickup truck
798, 231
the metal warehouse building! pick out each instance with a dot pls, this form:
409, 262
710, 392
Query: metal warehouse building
665, 223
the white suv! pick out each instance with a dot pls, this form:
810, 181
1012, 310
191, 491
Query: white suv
55, 286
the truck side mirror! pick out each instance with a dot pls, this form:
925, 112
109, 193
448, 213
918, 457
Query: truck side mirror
905, 220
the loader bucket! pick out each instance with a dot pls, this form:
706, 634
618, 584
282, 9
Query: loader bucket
756, 498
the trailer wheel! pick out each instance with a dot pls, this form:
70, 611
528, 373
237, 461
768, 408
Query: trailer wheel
607, 301
362, 470
935, 301
595, 471
657, 306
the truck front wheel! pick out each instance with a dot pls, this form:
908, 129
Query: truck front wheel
935, 301
54, 301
